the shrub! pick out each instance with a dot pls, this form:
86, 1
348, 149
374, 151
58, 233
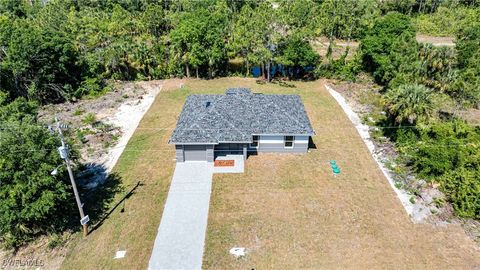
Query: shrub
89, 119
463, 189
409, 103
447, 152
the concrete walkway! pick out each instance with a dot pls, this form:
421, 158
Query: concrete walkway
237, 168
181, 234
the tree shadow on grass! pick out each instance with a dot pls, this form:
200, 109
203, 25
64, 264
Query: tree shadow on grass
101, 193
106, 212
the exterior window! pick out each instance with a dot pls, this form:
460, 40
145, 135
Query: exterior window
254, 143
289, 141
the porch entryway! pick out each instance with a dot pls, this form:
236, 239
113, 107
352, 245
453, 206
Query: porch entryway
238, 164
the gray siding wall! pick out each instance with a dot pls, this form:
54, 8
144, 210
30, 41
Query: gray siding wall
276, 144
179, 153
210, 155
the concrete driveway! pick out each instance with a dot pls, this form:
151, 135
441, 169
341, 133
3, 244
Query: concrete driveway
181, 234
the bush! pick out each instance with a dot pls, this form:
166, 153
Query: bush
340, 69
409, 103
447, 152
463, 189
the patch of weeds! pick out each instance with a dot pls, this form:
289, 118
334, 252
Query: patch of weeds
88, 131
376, 134
389, 164
398, 185
89, 119
78, 112
371, 98
115, 137
412, 200
107, 144
438, 202
80, 134
104, 127
56, 240
90, 150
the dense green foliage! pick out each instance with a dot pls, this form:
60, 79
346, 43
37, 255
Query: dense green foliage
381, 42
61, 50
415, 77
33, 201
449, 153
446, 21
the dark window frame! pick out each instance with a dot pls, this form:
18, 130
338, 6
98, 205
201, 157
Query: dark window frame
288, 141
255, 143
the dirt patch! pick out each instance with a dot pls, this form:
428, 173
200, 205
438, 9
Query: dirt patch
436, 41
89, 120
472, 116
338, 49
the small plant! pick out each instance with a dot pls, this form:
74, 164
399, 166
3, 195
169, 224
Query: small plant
438, 202
78, 112
398, 185
412, 200
89, 119
81, 136
125, 96
55, 241
115, 138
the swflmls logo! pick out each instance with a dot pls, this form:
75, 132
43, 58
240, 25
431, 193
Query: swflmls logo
30, 262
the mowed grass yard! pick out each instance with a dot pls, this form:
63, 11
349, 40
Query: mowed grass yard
287, 210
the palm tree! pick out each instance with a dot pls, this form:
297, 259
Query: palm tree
410, 102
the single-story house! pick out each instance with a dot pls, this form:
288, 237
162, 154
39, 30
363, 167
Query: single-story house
240, 122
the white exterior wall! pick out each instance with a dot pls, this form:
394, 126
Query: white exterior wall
275, 143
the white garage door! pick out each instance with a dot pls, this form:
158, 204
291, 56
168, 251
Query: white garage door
195, 152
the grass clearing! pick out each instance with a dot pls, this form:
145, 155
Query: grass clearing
287, 210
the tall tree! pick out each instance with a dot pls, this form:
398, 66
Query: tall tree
377, 45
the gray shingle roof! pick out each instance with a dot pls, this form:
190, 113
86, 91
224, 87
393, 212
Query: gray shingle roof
237, 115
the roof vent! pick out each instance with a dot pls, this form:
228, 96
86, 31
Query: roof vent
238, 91
207, 104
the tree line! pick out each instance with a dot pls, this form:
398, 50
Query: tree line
62, 50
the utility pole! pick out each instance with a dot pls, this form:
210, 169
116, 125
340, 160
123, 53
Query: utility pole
63, 150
